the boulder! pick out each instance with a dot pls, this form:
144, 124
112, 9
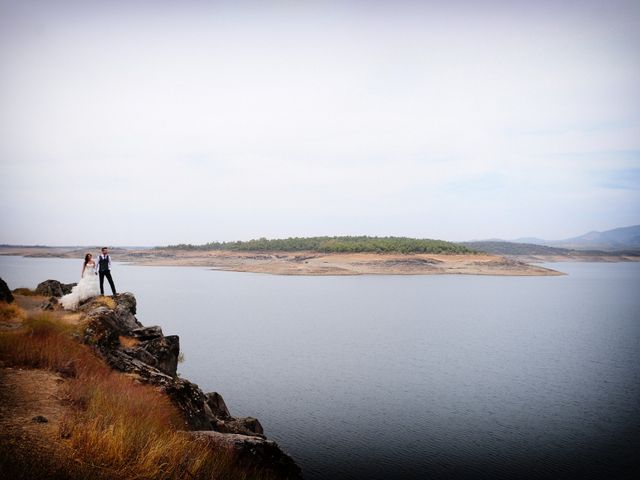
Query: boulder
53, 288
253, 452
50, 288
166, 350
192, 402
159, 352
123, 361
251, 424
126, 301
217, 405
141, 354
242, 426
67, 287
120, 320
126, 310
5, 293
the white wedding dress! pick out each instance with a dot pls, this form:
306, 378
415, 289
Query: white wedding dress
87, 287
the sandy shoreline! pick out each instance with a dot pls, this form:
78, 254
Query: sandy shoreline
307, 263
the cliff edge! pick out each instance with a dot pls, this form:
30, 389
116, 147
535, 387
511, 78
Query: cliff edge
108, 325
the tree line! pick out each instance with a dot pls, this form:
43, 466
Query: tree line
335, 245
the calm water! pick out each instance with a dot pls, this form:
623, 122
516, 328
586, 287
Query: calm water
378, 377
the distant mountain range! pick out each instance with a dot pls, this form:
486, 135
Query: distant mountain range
618, 240
624, 238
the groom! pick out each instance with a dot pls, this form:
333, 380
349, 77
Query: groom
104, 270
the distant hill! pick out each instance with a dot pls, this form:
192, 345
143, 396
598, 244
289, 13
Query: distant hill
624, 239
514, 248
529, 251
335, 245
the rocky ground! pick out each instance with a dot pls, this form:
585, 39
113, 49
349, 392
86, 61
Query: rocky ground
31, 407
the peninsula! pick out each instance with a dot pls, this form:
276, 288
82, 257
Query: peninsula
315, 256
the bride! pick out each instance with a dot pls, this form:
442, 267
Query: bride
87, 286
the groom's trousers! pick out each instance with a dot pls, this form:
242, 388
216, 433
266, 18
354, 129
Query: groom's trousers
106, 273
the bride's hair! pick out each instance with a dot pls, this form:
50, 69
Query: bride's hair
86, 258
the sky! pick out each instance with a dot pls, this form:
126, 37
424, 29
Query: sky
155, 122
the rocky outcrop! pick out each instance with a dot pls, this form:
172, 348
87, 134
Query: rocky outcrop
53, 288
242, 426
128, 346
251, 450
156, 350
5, 293
217, 405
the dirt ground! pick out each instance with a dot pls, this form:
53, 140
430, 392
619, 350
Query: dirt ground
31, 410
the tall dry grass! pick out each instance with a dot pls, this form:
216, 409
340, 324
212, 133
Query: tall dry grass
106, 302
10, 312
27, 292
114, 424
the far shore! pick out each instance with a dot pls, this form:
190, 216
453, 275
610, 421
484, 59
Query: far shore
307, 263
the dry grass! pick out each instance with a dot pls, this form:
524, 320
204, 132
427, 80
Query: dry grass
106, 301
27, 292
10, 312
133, 430
114, 424
45, 342
128, 342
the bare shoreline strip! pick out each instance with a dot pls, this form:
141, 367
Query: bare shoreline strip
309, 263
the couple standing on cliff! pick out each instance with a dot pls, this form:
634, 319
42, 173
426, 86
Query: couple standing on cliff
87, 287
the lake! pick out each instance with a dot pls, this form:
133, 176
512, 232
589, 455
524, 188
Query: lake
377, 377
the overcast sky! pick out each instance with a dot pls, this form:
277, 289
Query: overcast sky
151, 122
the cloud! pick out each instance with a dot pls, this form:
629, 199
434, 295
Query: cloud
270, 119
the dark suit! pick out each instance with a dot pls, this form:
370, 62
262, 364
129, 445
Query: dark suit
104, 270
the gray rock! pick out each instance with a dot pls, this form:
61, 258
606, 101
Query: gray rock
50, 288
126, 301
217, 405
5, 293
253, 452
160, 352
192, 401
67, 287
147, 333
167, 352
242, 426
251, 424
121, 319
141, 354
